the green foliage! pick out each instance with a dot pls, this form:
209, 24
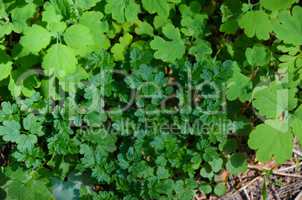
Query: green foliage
143, 98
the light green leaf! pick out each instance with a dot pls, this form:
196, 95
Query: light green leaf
275, 5
201, 49
10, 131
123, 10
5, 29
272, 140
14, 88
35, 39
119, 49
193, 24
33, 124
26, 142
60, 60
53, 19
86, 4
93, 20
288, 27
261, 29
20, 15
144, 28
168, 50
28, 190
238, 86
296, 123
216, 164
273, 100
161, 7
5, 70
257, 55
220, 189
80, 39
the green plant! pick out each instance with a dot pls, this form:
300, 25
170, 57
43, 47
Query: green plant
130, 99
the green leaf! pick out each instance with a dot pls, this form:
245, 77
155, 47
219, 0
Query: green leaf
144, 28
59, 60
168, 50
216, 164
119, 49
237, 164
80, 39
161, 7
162, 173
261, 29
123, 10
272, 140
35, 39
275, 5
96, 119
257, 55
33, 124
53, 19
220, 189
273, 100
296, 123
205, 188
26, 142
93, 20
193, 24
86, 4
20, 15
31, 190
10, 131
5, 29
5, 70
288, 27
238, 86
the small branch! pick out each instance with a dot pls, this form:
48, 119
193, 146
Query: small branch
275, 172
250, 183
297, 152
289, 168
246, 194
287, 174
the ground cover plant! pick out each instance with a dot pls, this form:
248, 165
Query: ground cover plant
144, 99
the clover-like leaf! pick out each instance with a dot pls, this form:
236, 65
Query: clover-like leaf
98, 28
273, 100
296, 123
33, 124
53, 19
288, 27
119, 49
80, 39
272, 140
86, 4
238, 86
275, 5
60, 60
168, 50
237, 164
161, 7
220, 189
10, 131
26, 142
123, 10
144, 28
35, 39
256, 23
5, 69
257, 55
20, 15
